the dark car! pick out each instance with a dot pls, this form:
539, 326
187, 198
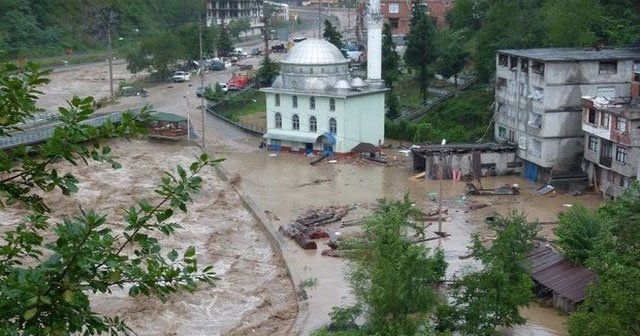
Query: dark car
216, 65
200, 91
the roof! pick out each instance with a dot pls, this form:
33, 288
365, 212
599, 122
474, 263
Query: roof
291, 135
559, 274
464, 148
164, 116
314, 52
627, 107
574, 54
365, 147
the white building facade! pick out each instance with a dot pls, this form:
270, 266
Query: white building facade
221, 12
538, 101
315, 105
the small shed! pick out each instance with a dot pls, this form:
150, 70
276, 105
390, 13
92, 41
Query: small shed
168, 126
366, 148
559, 278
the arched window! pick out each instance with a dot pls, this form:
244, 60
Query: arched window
313, 124
312, 103
332, 104
333, 126
278, 120
277, 99
296, 122
294, 101
321, 70
311, 70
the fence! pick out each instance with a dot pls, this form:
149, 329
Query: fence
31, 136
253, 129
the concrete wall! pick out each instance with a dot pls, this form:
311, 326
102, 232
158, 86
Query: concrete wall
363, 121
463, 161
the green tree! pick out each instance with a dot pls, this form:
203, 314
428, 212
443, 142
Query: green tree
157, 53
189, 38
267, 73
237, 27
452, 56
214, 94
48, 270
468, 14
392, 279
224, 44
420, 53
491, 297
393, 105
564, 23
390, 58
578, 232
332, 35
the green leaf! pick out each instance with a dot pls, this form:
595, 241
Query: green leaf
29, 314
173, 255
191, 251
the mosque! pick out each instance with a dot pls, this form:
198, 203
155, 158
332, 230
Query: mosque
315, 106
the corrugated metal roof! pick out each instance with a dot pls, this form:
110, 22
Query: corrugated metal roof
559, 274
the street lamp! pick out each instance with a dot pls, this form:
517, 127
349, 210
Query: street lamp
440, 233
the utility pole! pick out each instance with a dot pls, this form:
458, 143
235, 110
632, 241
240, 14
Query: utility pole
110, 58
202, 105
440, 233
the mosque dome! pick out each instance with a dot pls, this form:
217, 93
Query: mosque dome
357, 82
314, 52
342, 85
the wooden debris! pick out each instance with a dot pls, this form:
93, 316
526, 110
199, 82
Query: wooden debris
332, 253
477, 206
307, 226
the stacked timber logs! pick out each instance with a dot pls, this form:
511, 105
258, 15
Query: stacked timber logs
307, 226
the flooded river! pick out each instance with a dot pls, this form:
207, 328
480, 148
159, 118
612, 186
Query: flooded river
284, 184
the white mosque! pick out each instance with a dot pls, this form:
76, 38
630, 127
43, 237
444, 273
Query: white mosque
316, 106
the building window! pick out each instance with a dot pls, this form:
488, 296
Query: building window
522, 142
524, 65
513, 63
312, 103
535, 120
609, 176
536, 148
294, 101
537, 67
512, 136
621, 125
608, 92
608, 67
591, 118
604, 119
501, 83
537, 94
621, 154
502, 133
394, 8
332, 104
503, 60
313, 124
394, 23
624, 181
277, 99
311, 70
593, 143
333, 126
296, 122
278, 120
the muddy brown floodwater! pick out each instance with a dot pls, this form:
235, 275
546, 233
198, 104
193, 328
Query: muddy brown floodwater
255, 296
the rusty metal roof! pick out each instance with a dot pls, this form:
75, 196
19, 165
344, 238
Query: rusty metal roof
559, 274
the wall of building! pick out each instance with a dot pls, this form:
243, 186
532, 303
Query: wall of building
399, 21
363, 121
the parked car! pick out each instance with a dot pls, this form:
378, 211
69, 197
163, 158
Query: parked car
279, 48
129, 91
216, 65
239, 52
245, 67
181, 76
256, 51
200, 91
224, 87
238, 82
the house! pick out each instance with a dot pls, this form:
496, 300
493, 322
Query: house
538, 98
397, 13
221, 12
612, 142
315, 106
558, 278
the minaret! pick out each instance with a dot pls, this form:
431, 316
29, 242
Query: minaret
374, 42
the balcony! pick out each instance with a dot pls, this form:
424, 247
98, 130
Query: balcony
606, 161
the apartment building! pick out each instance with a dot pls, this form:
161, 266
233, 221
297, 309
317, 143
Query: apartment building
221, 12
612, 141
397, 13
538, 101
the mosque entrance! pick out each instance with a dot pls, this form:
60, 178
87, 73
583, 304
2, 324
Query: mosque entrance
308, 148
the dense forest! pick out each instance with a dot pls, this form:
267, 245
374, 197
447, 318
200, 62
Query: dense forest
50, 27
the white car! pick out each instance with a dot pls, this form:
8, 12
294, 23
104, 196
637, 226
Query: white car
181, 76
239, 52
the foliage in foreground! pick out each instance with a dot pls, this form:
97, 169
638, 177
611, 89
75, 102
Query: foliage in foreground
392, 279
48, 270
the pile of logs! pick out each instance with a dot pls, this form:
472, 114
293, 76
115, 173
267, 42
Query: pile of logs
307, 226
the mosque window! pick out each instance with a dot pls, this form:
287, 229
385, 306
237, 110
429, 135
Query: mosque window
294, 101
310, 70
321, 70
313, 124
333, 126
332, 104
278, 120
277, 99
312, 103
296, 122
